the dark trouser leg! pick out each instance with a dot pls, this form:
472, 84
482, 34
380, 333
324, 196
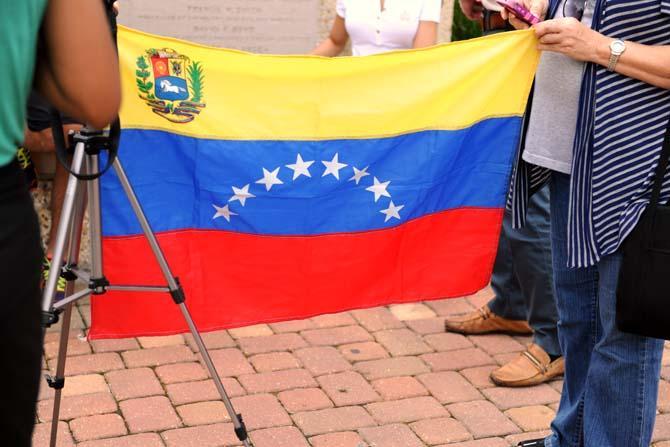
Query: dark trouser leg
531, 248
508, 302
20, 330
524, 270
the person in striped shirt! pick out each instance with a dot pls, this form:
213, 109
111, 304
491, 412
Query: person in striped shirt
594, 131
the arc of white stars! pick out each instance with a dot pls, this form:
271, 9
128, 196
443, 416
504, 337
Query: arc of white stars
270, 179
223, 211
300, 167
333, 167
241, 194
392, 211
359, 174
379, 189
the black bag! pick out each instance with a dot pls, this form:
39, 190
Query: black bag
643, 293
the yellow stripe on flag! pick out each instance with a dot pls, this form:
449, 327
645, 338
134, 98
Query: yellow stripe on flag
265, 97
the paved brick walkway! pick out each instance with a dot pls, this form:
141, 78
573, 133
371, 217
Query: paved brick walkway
383, 377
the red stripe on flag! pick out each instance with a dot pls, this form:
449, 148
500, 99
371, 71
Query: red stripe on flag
234, 279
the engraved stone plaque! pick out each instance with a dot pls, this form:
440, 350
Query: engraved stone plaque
258, 26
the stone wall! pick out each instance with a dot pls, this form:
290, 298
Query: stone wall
260, 26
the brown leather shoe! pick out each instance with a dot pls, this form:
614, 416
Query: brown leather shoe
532, 367
483, 321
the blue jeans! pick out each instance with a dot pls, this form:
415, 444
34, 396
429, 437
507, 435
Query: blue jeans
611, 378
522, 279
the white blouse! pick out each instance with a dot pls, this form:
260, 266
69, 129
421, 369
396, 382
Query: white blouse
373, 30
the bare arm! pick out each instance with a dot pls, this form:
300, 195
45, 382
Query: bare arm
78, 72
335, 43
426, 35
33, 141
648, 63
472, 9
43, 141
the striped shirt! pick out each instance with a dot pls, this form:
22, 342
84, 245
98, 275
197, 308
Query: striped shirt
620, 129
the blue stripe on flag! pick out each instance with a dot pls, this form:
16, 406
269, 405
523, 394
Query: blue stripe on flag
184, 182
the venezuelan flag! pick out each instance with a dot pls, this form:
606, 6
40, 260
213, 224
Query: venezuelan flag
282, 187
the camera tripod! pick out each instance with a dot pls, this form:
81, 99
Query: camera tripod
85, 164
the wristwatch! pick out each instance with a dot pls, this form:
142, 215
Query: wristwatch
617, 47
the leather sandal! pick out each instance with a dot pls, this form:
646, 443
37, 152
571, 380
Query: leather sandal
484, 321
531, 367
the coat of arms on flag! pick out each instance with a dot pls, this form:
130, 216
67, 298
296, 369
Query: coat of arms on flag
176, 90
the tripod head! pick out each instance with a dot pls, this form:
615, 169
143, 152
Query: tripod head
95, 141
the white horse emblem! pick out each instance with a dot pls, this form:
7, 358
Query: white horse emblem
167, 87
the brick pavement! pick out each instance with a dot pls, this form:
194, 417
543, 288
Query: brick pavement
383, 377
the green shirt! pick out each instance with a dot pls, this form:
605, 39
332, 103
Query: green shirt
19, 24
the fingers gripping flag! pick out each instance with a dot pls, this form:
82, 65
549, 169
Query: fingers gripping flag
282, 187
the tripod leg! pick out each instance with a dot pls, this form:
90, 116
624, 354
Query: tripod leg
178, 297
61, 237
98, 282
57, 381
240, 429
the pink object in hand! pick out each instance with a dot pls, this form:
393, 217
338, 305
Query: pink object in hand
519, 11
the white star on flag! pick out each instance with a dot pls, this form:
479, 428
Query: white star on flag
392, 211
241, 194
359, 174
333, 167
379, 189
300, 167
270, 179
224, 212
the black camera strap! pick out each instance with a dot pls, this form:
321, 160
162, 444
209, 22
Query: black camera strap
110, 144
